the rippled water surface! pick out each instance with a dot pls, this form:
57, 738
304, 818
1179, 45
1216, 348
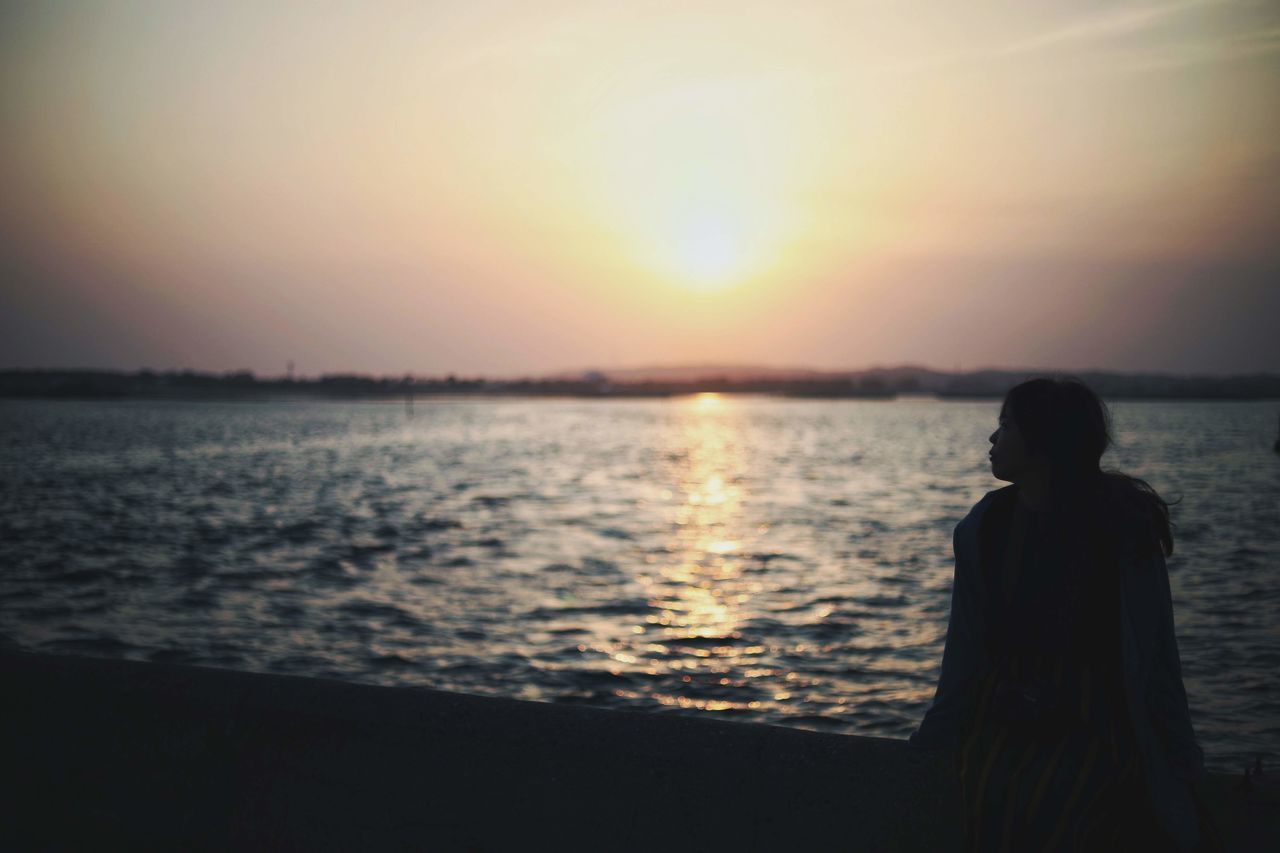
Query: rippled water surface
759, 559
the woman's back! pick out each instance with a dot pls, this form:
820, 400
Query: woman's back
1044, 592
1049, 761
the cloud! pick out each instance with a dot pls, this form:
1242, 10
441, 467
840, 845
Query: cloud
1108, 25
1183, 54
1114, 25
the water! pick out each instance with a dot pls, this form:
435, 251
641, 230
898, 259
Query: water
758, 559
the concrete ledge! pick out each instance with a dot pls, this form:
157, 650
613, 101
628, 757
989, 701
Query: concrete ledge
107, 753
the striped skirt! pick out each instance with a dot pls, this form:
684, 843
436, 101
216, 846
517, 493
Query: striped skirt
1077, 788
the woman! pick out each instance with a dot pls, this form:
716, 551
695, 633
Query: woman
1061, 688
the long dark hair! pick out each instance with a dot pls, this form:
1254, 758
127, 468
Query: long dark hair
1063, 419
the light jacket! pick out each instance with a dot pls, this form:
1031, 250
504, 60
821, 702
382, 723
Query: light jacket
1154, 694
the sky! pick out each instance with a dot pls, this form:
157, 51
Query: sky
515, 188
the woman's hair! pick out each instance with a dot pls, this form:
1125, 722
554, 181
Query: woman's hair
1065, 421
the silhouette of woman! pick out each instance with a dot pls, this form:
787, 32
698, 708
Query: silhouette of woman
1061, 688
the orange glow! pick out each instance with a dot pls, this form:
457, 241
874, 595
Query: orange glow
229, 185
707, 401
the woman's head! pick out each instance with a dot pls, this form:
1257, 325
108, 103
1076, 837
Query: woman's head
1056, 424
1057, 429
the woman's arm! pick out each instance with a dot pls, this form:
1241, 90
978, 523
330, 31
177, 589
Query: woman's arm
1166, 697
964, 660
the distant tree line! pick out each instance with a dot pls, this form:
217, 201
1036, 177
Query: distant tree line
877, 383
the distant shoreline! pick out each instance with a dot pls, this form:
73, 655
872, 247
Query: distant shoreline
874, 384
497, 397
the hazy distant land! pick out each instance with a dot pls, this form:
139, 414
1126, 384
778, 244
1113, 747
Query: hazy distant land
878, 383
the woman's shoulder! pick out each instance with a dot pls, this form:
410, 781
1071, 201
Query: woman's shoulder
993, 498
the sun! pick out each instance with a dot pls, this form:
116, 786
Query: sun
703, 232
693, 181
707, 252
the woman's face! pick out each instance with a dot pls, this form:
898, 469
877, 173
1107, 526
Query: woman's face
1009, 456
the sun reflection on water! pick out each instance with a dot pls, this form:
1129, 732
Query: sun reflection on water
700, 592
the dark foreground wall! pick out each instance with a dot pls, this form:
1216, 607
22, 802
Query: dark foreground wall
104, 754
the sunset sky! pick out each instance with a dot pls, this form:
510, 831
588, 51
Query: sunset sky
512, 188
